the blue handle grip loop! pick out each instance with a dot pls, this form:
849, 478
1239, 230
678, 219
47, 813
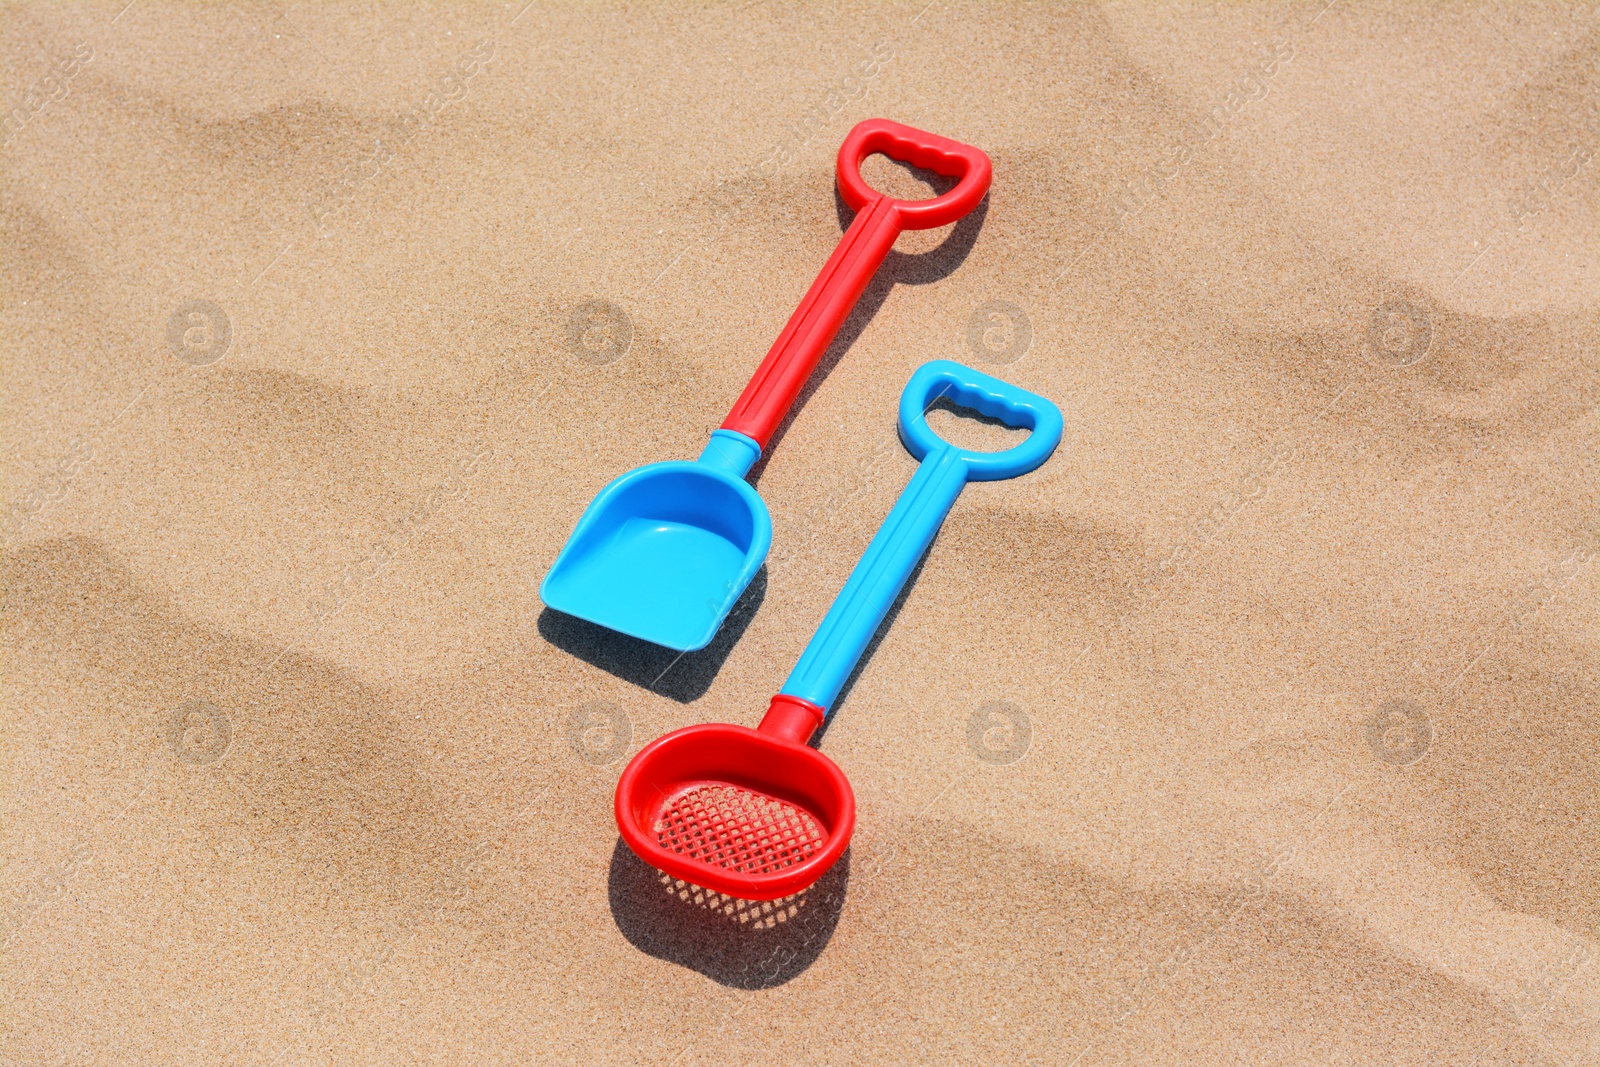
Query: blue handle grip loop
909, 529
1017, 408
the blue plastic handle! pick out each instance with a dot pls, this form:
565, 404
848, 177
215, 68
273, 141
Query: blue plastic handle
905, 535
1017, 408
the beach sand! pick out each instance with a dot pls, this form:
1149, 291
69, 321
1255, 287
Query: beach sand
1258, 726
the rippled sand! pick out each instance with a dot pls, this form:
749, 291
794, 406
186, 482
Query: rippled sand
1256, 727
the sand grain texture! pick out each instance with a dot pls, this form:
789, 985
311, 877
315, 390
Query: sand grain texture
1258, 726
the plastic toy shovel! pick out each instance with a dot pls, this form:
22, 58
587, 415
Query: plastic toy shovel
665, 550
758, 814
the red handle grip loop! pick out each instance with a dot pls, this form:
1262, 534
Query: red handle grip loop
926, 150
879, 220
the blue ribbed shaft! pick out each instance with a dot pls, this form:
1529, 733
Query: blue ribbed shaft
867, 596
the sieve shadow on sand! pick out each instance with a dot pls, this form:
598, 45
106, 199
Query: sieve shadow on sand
742, 944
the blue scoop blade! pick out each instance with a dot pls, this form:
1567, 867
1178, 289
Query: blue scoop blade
662, 554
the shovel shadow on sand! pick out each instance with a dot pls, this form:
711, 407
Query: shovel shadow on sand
680, 676
685, 677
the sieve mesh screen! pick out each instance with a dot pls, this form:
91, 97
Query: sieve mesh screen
739, 829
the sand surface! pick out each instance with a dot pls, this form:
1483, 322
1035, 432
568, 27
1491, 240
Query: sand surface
1258, 726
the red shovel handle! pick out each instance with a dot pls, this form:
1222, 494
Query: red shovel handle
879, 220
926, 150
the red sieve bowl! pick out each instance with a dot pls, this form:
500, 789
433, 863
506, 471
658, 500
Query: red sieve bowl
755, 814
